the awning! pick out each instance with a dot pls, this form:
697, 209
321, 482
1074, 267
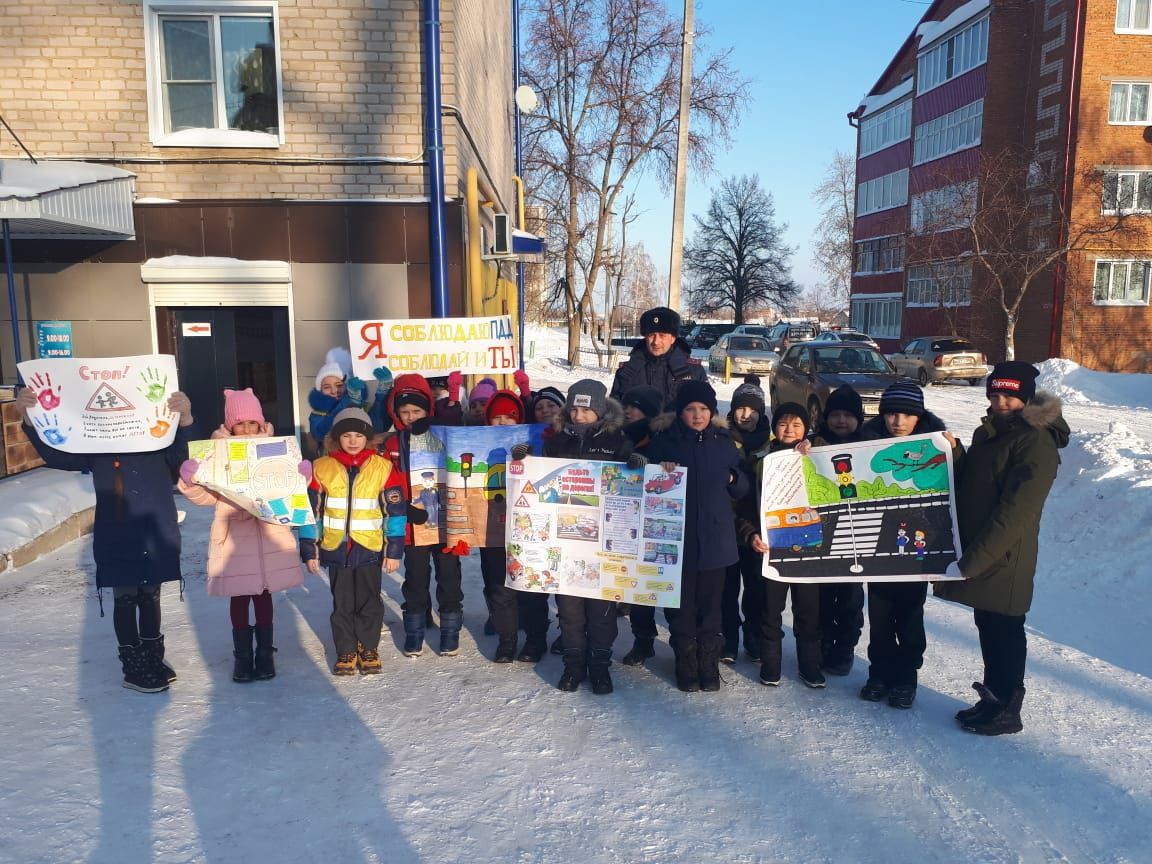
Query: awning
66, 200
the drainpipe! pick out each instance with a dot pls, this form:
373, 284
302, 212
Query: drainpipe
519, 172
7, 230
434, 141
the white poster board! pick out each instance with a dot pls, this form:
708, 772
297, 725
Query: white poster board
103, 404
433, 346
260, 475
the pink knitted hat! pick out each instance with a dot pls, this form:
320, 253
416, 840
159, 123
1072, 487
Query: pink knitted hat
240, 406
485, 389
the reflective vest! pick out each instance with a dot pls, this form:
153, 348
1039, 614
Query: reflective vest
352, 512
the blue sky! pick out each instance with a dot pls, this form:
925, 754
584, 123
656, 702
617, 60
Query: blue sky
810, 63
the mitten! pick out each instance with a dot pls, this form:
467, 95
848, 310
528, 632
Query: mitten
383, 376
305, 469
357, 390
188, 471
416, 515
519, 451
419, 427
455, 382
637, 461
522, 383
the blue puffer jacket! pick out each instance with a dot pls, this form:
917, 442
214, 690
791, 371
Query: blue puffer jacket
136, 539
716, 478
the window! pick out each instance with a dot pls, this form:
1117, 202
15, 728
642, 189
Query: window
885, 192
1132, 16
1128, 104
1127, 192
949, 133
880, 255
877, 315
943, 209
944, 283
886, 128
954, 56
213, 73
1121, 283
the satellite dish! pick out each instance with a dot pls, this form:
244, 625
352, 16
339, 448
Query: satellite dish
526, 99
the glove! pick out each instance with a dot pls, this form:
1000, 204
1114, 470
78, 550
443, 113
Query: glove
188, 471
357, 390
519, 451
305, 469
416, 515
637, 461
953, 571
522, 383
419, 427
383, 376
455, 382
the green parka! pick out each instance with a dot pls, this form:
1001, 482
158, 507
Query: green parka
1001, 487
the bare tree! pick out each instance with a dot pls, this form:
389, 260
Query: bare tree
737, 258
832, 240
607, 73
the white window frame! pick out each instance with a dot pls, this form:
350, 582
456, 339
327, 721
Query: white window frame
949, 133
1128, 121
874, 255
882, 193
943, 209
940, 283
154, 10
884, 316
1126, 16
950, 58
1112, 264
1114, 191
885, 128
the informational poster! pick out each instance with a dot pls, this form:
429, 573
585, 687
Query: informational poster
53, 338
433, 346
260, 475
877, 511
457, 475
103, 404
596, 529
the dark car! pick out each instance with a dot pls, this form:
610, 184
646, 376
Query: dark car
705, 335
809, 371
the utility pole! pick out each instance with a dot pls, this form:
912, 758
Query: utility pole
677, 255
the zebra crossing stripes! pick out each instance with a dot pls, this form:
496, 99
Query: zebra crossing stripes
857, 534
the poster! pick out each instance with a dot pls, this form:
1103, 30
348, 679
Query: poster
877, 511
433, 346
457, 475
596, 529
105, 404
260, 475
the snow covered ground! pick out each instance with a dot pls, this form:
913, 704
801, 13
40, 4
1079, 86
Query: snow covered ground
457, 759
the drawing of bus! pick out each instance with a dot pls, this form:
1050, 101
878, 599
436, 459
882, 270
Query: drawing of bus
794, 528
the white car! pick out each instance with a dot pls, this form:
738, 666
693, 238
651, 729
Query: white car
846, 336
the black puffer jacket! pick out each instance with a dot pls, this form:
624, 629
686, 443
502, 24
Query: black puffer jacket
664, 372
603, 440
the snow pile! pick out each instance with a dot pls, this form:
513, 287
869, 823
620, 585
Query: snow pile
37, 501
1076, 385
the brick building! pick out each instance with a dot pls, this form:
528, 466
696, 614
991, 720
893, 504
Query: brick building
1064, 86
280, 170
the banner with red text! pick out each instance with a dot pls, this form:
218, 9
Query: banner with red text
433, 346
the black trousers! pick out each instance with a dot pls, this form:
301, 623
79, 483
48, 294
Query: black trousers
699, 614
896, 639
841, 618
135, 613
643, 620
747, 572
501, 599
418, 577
805, 616
357, 607
1004, 646
585, 625
533, 610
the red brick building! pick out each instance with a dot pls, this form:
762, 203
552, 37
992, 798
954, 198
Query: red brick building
1066, 87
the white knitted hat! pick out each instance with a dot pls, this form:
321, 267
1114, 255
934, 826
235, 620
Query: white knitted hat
337, 364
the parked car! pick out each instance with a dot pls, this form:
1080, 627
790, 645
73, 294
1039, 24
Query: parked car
845, 336
747, 353
753, 330
785, 333
705, 335
941, 358
809, 371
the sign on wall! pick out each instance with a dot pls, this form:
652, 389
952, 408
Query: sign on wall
433, 346
53, 338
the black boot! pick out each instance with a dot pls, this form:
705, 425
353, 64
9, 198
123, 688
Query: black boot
987, 702
242, 651
1004, 721
414, 633
264, 667
575, 671
155, 649
641, 650
598, 665
450, 624
709, 656
770, 654
505, 649
808, 658
140, 673
687, 664
535, 644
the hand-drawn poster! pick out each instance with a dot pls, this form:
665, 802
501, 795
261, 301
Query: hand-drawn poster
433, 346
102, 405
260, 475
456, 474
877, 511
596, 529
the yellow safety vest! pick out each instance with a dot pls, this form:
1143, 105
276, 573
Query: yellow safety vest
354, 511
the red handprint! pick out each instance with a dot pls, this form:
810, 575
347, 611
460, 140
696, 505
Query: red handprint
47, 395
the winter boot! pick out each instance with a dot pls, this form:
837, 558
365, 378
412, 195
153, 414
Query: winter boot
346, 664
505, 649
575, 671
413, 634
988, 702
369, 660
1005, 721
641, 650
535, 645
770, 664
902, 695
874, 690
598, 665
450, 623
710, 649
140, 673
242, 650
808, 657
264, 667
687, 664
155, 648
836, 662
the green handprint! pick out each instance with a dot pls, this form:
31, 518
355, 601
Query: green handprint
154, 386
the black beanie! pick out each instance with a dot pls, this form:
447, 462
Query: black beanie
847, 399
791, 409
660, 320
1013, 378
695, 391
645, 397
903, 397
548, 394
411, 397
352, 420
749, 395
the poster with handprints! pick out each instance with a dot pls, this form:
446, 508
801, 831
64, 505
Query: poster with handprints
595, 529
876, 511
260, 475
103, 404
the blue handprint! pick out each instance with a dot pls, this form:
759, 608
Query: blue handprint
48, 425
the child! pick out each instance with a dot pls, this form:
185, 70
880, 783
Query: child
547, 403
337, 389
789, 428
247, 558
360, 511
896, 638
478, 398
695, 438
135, 537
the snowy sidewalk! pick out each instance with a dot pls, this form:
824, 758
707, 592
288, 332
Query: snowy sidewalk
40, 511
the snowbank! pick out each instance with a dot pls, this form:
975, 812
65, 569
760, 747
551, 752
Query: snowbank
37, 501
1079, 386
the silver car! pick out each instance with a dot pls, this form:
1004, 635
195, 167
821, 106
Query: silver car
845, 336
941, 358
749, 354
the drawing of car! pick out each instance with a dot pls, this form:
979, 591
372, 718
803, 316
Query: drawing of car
662, 483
